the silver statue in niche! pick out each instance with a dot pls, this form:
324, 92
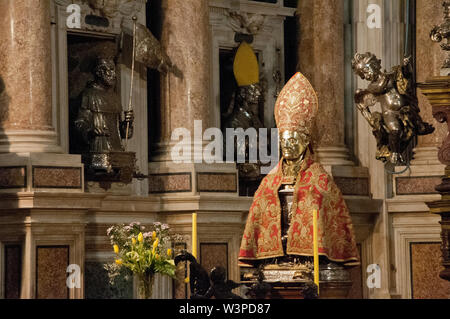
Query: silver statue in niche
399, 121
243, 110
100, 123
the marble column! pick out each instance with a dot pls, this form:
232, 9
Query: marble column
26, 78
321, 60
187, 40
429, 59
185, 103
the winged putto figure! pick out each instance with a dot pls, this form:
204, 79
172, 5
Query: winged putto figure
399, 121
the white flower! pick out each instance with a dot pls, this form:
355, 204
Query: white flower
147, 234
109, 230
135, 224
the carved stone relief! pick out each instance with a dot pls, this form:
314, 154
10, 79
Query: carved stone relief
243, 22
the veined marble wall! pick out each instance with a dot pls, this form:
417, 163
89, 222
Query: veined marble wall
425, 268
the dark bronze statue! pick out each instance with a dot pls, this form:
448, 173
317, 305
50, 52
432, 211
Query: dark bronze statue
399, 121
204, 286
100, 123
243, 112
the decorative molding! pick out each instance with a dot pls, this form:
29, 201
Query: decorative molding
70, 235
407, 229
410, 203
25, 141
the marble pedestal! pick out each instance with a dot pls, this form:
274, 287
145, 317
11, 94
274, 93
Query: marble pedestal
41, 172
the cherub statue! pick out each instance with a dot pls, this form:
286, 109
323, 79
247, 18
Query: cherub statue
399, 120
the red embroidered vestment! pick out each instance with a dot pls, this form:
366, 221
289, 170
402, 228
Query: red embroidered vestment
314, 189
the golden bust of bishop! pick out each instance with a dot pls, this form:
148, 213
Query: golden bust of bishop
280, 221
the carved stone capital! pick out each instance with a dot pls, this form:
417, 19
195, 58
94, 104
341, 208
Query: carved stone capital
112, 8
243, 22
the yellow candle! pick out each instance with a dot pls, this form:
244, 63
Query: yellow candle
316, 249
194, 235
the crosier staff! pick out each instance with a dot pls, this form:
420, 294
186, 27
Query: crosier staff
132, 79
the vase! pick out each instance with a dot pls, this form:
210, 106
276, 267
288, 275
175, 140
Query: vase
145, 289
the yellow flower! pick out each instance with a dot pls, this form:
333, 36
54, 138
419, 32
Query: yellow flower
169, 252
116, 249
140, 238
186, 280
153, 235
155, 244
119, 261
157, 256
133, 241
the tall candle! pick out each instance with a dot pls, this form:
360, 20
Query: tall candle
194, 235
316, 249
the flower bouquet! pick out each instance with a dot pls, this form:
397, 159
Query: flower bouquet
145, 253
